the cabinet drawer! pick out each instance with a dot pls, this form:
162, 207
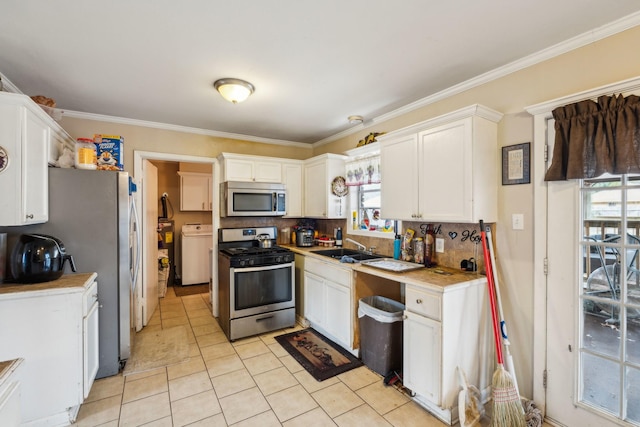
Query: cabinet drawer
327, 271
423, 302
90, 297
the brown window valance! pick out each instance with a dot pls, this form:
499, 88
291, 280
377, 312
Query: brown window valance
593, 138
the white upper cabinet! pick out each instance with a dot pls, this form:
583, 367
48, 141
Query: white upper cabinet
292, 180
25, 150
399, 188
246, 168
196, 191
237, 167
444, 169
319, 199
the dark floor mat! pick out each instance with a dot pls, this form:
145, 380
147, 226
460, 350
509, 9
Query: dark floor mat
320, 356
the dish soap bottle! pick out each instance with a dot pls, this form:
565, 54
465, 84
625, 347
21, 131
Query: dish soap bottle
339, 237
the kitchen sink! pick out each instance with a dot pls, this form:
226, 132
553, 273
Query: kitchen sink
352, 253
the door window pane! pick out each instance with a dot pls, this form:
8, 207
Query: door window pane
601, 383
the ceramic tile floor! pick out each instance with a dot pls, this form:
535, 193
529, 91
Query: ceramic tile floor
251, 382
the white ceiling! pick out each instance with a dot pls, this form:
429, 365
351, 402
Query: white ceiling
313, 63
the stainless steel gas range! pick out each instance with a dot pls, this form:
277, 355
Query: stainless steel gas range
256, 282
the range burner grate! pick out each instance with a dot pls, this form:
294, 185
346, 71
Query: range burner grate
254, 250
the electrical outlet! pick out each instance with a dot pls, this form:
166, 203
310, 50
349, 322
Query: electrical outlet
439, 245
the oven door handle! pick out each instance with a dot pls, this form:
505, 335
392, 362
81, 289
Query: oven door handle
261, 268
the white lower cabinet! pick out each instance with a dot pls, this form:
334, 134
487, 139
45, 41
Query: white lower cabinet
53, 326
10, 394
422, 350
446, 328
327, 300
314, 299
90, 342
338, 311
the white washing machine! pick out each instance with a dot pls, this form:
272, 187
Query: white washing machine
196, 242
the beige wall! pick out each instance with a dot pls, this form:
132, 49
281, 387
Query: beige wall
166, 141
606, 61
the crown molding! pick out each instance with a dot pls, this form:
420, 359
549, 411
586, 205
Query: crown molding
177, 128
8, 86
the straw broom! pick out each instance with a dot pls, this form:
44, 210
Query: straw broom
508, 359
507, 408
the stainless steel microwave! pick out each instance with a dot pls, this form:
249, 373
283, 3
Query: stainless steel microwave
239, 198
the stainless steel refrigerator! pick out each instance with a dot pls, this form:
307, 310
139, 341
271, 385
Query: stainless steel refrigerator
90, 211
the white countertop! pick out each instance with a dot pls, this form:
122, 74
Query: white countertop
66, 283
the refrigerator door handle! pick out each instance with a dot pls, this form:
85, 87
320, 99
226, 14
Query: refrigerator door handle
136, 223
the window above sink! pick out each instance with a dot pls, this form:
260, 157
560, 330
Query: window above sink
363, 176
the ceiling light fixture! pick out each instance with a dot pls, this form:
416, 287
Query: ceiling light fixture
234, 90
355, 119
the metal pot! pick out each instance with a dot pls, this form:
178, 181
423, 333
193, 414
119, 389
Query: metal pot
39, 258
264, 240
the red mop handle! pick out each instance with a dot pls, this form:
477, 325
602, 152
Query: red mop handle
491, 286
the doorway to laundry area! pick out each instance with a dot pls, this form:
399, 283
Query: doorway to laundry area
143, 296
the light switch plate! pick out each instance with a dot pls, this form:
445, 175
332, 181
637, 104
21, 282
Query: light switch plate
517, 221
439, 245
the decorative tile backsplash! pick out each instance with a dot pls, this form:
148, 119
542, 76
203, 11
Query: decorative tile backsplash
461, 240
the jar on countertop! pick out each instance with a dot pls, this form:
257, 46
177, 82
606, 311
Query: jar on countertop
418, 250
86, 154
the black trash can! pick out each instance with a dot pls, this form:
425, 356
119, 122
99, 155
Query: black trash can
380, 321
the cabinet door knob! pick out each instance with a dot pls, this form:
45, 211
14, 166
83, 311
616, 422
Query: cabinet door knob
418, 301
29, 216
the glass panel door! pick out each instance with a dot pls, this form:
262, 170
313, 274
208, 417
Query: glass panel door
609, 294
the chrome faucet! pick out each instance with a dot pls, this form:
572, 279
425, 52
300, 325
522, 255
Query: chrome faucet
359, 245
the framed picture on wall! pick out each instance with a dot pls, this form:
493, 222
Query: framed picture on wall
516, 164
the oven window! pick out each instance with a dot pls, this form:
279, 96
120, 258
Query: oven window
262, 287
252, 202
